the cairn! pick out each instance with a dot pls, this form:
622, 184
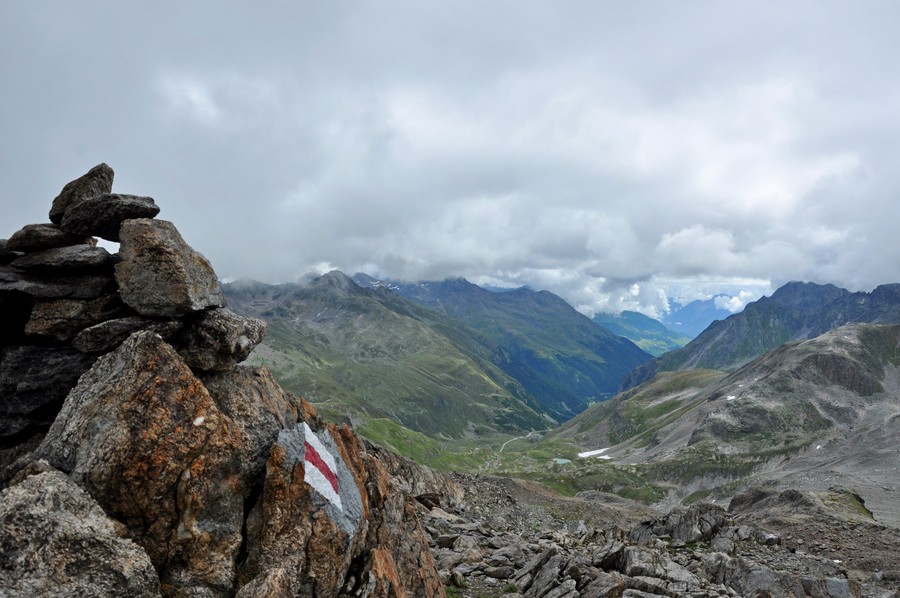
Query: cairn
67, 301
138, 459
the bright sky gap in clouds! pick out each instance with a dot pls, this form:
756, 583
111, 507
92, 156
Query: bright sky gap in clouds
614, 153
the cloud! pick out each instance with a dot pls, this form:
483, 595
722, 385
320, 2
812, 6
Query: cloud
616, 155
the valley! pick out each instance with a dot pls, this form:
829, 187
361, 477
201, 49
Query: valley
810, 414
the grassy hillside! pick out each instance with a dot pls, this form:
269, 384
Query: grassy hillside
368, 354
557, 354
826, 404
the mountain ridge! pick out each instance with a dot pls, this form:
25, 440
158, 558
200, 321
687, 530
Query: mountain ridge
795, 311
558, 354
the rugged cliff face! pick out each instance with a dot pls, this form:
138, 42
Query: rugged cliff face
140, 460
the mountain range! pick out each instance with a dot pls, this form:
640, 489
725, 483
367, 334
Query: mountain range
649, 334
461, 362
827, 404
693, 318
796, 311
559, 355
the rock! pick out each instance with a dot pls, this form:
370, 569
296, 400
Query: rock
605, 585
508, 555
360, 538
53, 286
38, 237
698, 523
73, 257
567, 589
102, 216
160, 275
34, 381
837, 587
108, 335
429, 500
547, 577
414, 479
499, 572
217, 339
97, 181
144, 437
259, 408
6, 255
525, 575
60, 320
16, 308
57, 541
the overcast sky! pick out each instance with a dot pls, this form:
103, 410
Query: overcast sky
615, 153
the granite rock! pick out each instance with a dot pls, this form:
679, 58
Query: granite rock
97, 181
37, 237
70, 258
102, 216
160, 275
57, 541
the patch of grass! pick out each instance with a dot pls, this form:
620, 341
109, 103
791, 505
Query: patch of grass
410, 443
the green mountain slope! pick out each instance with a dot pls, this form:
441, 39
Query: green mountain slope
818, 410
795, 311
557, 354
370, 354
650, 335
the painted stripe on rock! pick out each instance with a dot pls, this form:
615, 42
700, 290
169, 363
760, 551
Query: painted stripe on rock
320, 469
314, 459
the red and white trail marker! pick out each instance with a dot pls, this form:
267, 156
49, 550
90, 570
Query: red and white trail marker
320, 470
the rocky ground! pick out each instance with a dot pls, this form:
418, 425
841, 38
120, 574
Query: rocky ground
513, 538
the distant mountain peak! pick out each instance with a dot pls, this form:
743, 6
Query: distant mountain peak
336, 280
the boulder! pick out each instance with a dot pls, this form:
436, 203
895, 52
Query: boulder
259, 408
7, 255
53, 286
160, 275
605, 585
314, 533
109, 334
698, 523
61, 319
37, 237
57, 541
102, 216
73, 257
34, 381
16, 308
217, 339
143, 436
97, 181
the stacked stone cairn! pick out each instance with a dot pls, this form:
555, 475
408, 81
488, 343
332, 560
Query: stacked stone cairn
138, 459
66, 301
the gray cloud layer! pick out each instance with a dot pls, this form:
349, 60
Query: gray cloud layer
615, 153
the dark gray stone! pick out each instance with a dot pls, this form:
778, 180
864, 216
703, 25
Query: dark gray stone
61, 319
57, 541
6, 256
34, 381
102, 216
108, 335
49, 286
605, 585
218, 339
73, 257
160, 275
97, 181
16, 309
37, 237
